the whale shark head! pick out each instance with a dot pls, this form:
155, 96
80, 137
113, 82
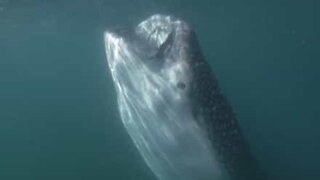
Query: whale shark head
171, 106
159, 51
156, 68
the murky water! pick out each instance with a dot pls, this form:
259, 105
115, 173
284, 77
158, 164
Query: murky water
58, 112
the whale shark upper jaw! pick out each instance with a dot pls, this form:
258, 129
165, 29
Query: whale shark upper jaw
156, 29
161, 30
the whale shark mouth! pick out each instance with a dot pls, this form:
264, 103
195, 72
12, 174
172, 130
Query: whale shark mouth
153, 38
153, 69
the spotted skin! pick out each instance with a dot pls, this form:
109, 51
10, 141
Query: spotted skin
219, 120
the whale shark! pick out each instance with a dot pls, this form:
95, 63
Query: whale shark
171, 105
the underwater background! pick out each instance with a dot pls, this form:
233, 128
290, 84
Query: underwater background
58, 110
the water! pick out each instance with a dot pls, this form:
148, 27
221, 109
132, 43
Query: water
58, 113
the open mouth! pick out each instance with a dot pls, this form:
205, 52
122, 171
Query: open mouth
155, 38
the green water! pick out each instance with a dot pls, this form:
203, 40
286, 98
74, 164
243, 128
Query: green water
58, 112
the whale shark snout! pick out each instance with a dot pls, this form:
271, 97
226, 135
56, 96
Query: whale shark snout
171, 105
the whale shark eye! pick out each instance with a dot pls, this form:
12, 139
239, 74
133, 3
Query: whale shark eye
181, 85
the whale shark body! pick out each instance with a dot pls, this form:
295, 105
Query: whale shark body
171, 105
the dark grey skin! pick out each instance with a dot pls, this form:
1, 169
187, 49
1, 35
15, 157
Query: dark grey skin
220, 121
